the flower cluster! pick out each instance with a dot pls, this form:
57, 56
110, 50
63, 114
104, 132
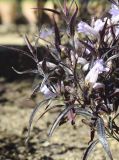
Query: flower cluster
81, 70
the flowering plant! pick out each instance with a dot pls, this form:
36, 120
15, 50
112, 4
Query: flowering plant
83, 73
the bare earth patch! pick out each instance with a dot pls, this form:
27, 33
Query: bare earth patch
67, 143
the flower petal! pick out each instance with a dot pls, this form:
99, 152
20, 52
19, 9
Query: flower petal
86, 29
98, 68
98, 25
114, 11
47, 93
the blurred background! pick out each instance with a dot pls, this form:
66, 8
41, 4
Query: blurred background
20, 17
17, 18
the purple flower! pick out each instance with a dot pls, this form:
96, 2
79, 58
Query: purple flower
88, 30
98, 25
50, 65
114, 11
47, 93
98, 68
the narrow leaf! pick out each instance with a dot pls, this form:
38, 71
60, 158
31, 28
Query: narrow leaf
91, 49
71, 4
35, 90
72, 22
102, 136
92, 135
48, 9
58, 119
66, 12
113, 57
54, 53
89, 149
19, 51
46, 76
48, 109
25, 72
83, 112
102, 32
42, 103
57, 36
44, 66
112, 1
30, 47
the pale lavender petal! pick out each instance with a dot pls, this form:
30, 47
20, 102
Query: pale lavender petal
115, 19
47, 93
117, 31
99, 85
98, 25
114, 11
98, 68
86, 29
92, 76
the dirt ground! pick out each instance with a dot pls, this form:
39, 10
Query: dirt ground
67, 142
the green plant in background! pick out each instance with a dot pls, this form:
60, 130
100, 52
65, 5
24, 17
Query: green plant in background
82, 74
